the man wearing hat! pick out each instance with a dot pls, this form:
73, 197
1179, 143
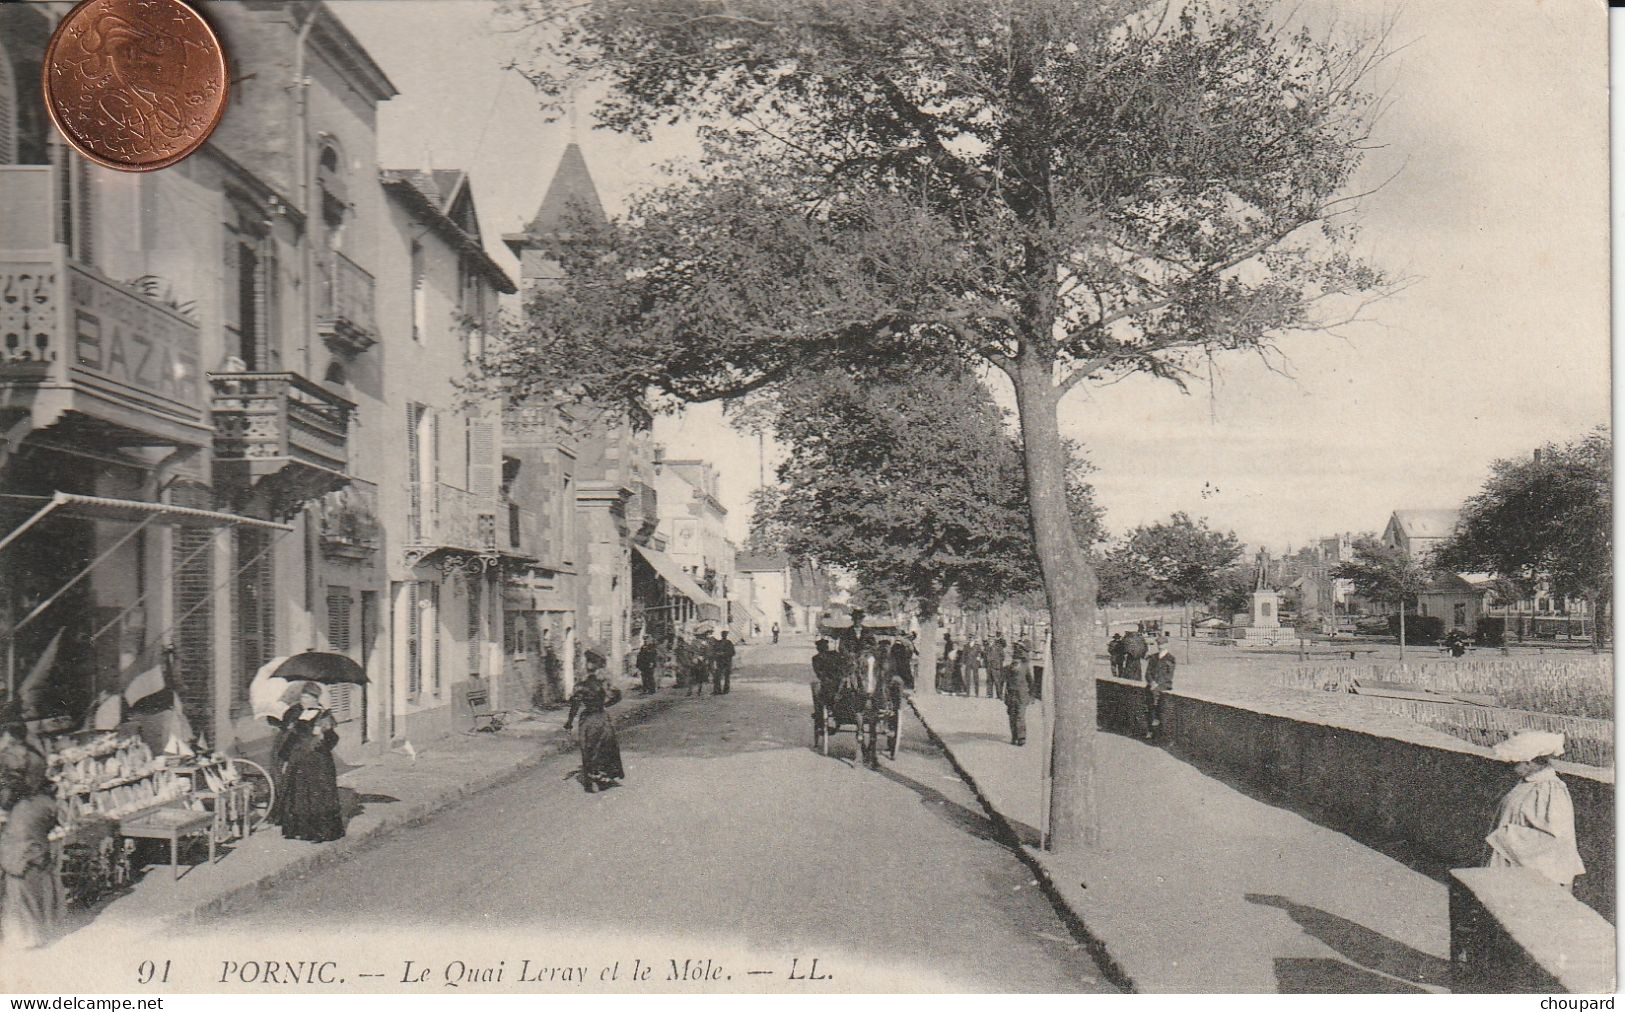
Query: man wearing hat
1534, 826
1015, 693
855, 637
1159, 680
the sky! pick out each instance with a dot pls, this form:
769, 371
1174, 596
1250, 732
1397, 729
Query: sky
1497, 210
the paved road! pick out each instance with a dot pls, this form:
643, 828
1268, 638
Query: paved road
731, 835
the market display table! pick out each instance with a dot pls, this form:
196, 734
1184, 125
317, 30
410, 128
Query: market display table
170, 824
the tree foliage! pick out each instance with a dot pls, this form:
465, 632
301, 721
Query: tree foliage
1544, 518
909, 481
1179, 559
1381, 572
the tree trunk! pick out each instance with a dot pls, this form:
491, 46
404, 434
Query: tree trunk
1402, 629
925, 680
1070, 586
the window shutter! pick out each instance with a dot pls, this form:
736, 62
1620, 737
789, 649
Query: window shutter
482, 451
8, 111
434, 638
341, 698
434, 469
414, 464
414, 639
474, 640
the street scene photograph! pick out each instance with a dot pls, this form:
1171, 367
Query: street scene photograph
823, 497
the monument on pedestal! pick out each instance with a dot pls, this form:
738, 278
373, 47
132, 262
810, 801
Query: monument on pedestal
1264, 623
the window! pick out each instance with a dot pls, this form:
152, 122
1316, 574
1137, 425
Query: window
423, 471
420, 295
1460, 615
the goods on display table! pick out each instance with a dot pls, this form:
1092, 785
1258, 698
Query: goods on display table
106, 783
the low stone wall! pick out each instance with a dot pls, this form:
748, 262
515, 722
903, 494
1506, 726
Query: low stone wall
1381, 789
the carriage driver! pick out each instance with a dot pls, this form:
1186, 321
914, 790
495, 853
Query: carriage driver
854, 638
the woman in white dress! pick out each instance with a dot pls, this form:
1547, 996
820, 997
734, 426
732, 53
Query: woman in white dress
1534, 826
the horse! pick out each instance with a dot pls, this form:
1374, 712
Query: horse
867, 695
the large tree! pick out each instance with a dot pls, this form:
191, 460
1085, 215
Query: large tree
1068, 191
1180, 559
1381, 572
909, 481
1546, 518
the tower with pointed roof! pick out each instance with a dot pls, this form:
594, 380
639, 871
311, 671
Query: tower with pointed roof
570, 203
610, 462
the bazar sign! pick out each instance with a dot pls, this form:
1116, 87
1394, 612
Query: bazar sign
124, 337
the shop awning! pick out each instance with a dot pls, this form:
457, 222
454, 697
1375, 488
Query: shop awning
667, 569
93, 507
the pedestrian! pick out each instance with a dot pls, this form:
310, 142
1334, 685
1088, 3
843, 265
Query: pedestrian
995, 660
1015, 694
775, 632
699, 664
307, 802
600, 751
648, 664
1534, 825
722, 664
31, 900
1114, 653
1134, 649
945, 664
972, 666
1159, 680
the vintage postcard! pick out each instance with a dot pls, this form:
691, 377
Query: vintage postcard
805, 497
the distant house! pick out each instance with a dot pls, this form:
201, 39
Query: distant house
1419, 533
1454, 599
773, 587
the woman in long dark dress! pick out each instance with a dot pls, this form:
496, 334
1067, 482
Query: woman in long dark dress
307, 804
600, 751
31, 900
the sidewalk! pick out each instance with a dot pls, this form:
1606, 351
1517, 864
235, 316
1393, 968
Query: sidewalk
1197, 887
394, 791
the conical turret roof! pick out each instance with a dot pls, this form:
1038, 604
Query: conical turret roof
570, 195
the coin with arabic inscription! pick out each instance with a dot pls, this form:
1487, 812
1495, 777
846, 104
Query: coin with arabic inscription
135, 84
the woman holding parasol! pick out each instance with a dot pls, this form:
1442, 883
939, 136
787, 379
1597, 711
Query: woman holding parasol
288, 692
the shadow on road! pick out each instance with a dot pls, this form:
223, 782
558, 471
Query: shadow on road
1375, 961
939, 804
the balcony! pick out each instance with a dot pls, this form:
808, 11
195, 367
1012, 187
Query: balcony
459, 529
79, 349
280, 435
349, 522
344, 313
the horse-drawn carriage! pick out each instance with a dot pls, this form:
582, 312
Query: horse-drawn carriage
867, 698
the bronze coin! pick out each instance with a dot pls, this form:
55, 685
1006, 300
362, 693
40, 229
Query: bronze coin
135, 84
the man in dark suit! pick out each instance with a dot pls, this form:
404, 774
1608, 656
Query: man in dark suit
974, 659
1159, 680
1015, 693
722, 664
1134, 648
648, 661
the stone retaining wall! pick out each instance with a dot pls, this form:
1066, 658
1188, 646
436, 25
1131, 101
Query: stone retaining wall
1382, 790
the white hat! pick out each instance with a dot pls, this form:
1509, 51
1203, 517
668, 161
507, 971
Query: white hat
1526, 746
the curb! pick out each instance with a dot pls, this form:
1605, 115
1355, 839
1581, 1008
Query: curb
549, 746
1110, 968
